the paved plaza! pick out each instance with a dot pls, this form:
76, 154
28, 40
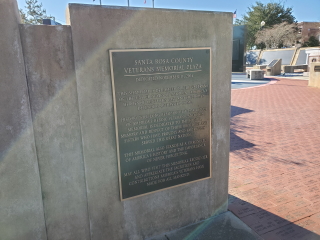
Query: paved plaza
240, 80
274, 183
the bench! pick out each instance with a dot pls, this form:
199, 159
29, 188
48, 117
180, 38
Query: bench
290, 69
255, 74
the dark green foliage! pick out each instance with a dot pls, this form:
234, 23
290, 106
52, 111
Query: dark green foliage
271, 13
34, 13
312, 42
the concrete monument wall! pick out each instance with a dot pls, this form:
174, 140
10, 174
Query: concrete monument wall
314, 75
21, 209
58, 152
286, 54
300, 57
95, 31
290, 56
48, 55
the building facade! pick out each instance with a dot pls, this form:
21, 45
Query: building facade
308, 29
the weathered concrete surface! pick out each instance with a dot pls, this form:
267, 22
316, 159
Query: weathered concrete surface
290, 69
314, 75
48, 55
97, 29
223, 227
256, 74
21, 210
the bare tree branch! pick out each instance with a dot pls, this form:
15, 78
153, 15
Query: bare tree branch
280, 35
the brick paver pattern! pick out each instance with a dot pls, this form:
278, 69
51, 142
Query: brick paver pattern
274, 183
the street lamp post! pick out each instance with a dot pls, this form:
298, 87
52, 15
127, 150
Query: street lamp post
261, 27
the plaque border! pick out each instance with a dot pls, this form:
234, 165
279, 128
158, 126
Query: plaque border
115, 112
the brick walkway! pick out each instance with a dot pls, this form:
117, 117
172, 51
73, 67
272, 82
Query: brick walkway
274, 183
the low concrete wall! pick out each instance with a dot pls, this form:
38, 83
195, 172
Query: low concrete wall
291, 69
286, 54
299, 56
314, 75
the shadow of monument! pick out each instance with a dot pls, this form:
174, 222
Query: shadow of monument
270, 225
236, 142
262, 61
238, 110
252, 58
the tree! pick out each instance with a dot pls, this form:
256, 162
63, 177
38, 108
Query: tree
280, 35
34, 13
312, 42
270, 13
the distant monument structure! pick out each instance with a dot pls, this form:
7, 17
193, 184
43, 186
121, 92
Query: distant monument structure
239, 49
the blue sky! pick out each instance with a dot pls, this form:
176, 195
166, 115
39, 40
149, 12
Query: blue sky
304, 11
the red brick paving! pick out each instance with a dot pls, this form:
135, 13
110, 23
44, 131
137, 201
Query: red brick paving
274, 183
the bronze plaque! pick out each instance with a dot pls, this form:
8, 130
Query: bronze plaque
163, 117
317, 68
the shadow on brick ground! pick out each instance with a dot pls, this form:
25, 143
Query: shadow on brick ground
273, 226
237, 142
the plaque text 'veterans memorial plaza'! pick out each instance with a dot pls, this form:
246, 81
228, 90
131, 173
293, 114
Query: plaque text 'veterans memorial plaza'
162, 110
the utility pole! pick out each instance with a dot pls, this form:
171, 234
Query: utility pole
153, 3
128, 4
